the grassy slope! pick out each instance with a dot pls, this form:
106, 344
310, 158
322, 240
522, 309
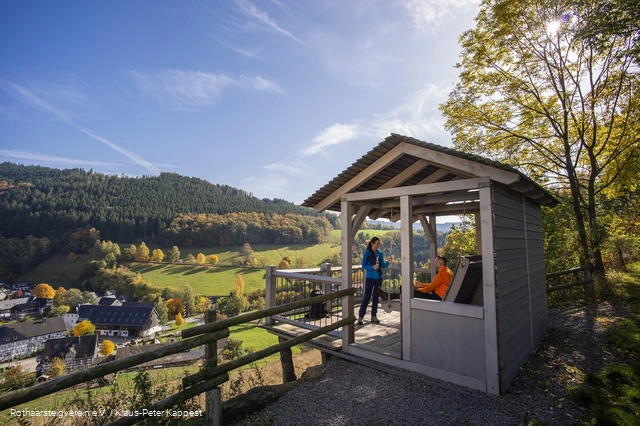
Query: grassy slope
205, 280
56, 272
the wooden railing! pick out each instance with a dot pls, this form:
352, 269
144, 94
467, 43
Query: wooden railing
586, 282
208, 379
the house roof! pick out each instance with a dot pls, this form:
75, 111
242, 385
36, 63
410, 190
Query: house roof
401, 161
8, 304
11, 334
83, 346
40, 327
25, 307
134, 316
107, 300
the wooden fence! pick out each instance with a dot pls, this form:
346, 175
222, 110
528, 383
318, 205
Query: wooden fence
586, 282
206, 380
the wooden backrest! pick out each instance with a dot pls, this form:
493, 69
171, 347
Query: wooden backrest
466, 282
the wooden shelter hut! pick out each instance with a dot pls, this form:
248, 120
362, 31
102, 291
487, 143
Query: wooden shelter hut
479, 340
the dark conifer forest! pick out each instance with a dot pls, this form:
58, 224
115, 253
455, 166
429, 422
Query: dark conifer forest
47, 202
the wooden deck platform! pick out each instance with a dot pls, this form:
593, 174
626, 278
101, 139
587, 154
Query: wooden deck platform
383, 338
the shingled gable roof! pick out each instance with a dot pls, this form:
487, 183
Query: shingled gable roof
134, 316
40, 327
409, 161
83, 346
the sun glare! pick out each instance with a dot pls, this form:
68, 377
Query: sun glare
553, 27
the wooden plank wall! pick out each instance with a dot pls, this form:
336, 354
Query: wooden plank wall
521, 298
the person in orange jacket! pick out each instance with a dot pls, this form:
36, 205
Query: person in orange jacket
438, 287
434, 290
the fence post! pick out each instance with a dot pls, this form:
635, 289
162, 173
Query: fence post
286, 359
270, 292
326, 287
587, 275
213, 399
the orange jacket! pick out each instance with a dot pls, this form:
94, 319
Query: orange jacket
439, 284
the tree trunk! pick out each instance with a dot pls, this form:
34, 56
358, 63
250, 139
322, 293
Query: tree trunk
286, 359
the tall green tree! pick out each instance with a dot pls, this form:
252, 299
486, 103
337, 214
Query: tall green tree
173, 255
161, 309
189, 299
537, 91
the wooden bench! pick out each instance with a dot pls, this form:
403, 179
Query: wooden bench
465, 286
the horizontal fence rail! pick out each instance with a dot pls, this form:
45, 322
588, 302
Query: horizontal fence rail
194, 336
586, 282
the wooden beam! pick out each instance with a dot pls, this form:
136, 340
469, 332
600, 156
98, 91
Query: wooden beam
406, 253
489, 292
466, 208
433, 247
406, 174
431, 188
426, 226
438, 174
460, 165
363, 211
378, 213
348, 331
434, 199
378, 165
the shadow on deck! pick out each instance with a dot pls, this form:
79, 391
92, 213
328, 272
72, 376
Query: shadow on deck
383, 338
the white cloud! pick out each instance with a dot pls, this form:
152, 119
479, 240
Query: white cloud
418, 117
431, 13
194, 89
294, 170
52, 159
27, 97
263, 18
332, 135
268, 185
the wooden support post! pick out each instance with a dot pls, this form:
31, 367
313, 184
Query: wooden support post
213, 400
325, 356
489, 291
348, 331
406, 252
476, 217
326, 287
286, 358
270, 292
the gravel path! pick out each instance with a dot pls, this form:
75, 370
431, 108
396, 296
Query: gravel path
347, 393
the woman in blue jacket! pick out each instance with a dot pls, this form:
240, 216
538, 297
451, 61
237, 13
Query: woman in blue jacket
372, 264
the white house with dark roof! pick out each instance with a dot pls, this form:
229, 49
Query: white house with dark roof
124, 321
23, 338
77, 352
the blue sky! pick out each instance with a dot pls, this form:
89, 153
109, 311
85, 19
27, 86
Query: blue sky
275, 97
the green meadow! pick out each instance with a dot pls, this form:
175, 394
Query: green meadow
205, 279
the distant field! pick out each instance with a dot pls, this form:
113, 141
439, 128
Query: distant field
56, 272
205, 280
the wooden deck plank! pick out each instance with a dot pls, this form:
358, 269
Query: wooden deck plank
384, 338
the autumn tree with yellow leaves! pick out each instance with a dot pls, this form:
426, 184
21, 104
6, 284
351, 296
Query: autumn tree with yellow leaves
84, 328
44, 291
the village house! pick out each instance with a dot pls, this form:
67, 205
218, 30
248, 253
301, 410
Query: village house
133, 320
34, 307
77, 352
6, 305
23, 338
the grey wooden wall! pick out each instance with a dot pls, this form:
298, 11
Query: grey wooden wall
521, 297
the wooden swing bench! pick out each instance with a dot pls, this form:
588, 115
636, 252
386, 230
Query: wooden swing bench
465, 286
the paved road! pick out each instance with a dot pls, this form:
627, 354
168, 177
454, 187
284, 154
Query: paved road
28, 364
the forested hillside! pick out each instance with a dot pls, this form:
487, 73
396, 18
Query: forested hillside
46, 202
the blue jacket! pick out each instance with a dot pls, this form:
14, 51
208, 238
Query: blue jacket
369, 260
